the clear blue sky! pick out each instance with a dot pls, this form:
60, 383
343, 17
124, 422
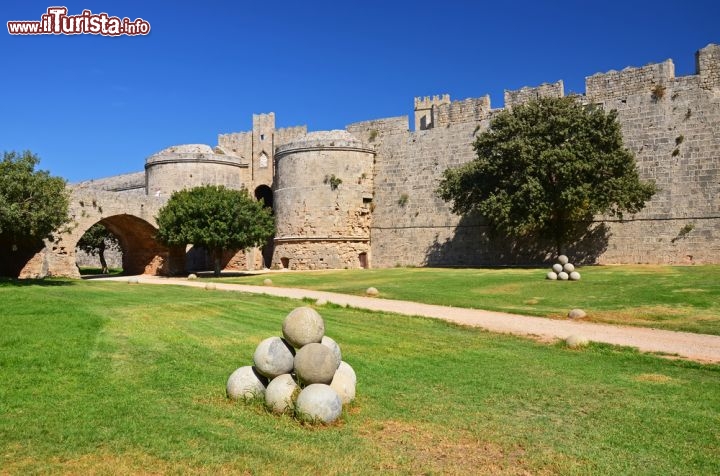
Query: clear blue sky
93, 106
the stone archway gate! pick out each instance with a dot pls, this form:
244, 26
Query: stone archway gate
130, 216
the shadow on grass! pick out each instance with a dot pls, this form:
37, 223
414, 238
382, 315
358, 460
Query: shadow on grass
7, 282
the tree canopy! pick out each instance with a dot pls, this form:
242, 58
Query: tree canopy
33, 205
548, 167
215, 218
96, 240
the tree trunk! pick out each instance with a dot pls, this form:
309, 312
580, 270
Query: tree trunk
103, 263
216, 256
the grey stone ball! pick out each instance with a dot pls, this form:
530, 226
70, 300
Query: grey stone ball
568, 267
552, 275
576, 314
274, 357
372, 291
576, 341
557, 268
574, 276
281, 393
563, 276
267, 282
315, 363
245, 383
563, 260
344, 382
192, 276
318, 402
330, 342
133, 280
303, 326
210, 286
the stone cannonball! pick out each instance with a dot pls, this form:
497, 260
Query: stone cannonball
133, 280
303, 326
576, 341
318, 402
281, 393
568, 267
577, 314
315, 363
574, 276
563, 276
192, 276
557, 268
372, 291
330, 342
552, 275
210, 286
245, 383
563, 260
274, 357
344, 383
267, 282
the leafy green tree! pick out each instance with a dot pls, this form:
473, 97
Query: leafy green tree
95, 241
546, 168
216, 218
32, 206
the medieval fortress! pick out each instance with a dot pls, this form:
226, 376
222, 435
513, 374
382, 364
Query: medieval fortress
365, 196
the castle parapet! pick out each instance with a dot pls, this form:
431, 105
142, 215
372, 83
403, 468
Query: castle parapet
629, 81
467, 110
525, 94
707, 64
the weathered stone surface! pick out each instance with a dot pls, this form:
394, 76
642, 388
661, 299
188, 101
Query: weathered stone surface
133, 280
563, 260
574, 276
211, 286
281, 393
557, 268
552, 275
372, 292
303, 326
568, 267
245, 383
267, 282
563, 276
577, 314
321, 302
332, 345
274, 357
575, 341
315, 363
344, 383
192, 276
319, 402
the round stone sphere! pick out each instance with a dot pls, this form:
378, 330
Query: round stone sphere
280, 394
557, 268
563, 276
315, 363
568, 267
563, 260
330, 342
303, 326
574, 276
210, 286
192, 276
372, 291
576, 314
133, 280
576, 341
344, 383
267, 282
274, 357
318, 402
245, 383
552, 275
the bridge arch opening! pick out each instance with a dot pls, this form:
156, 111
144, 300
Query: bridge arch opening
264, 193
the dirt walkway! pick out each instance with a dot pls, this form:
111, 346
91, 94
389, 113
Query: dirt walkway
698, 347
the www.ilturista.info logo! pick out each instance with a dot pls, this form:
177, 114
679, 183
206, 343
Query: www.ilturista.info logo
57, 22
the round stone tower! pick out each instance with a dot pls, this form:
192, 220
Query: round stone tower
323, 199
192, 165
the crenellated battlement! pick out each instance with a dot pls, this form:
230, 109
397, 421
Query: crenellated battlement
525, 94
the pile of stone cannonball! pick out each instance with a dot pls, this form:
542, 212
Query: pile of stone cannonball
302, 373
563, 270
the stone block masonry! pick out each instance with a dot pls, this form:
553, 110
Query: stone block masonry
367, 196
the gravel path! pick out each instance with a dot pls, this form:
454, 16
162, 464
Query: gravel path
698, 347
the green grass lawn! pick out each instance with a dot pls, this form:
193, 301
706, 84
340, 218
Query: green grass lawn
111, 378
683, 298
